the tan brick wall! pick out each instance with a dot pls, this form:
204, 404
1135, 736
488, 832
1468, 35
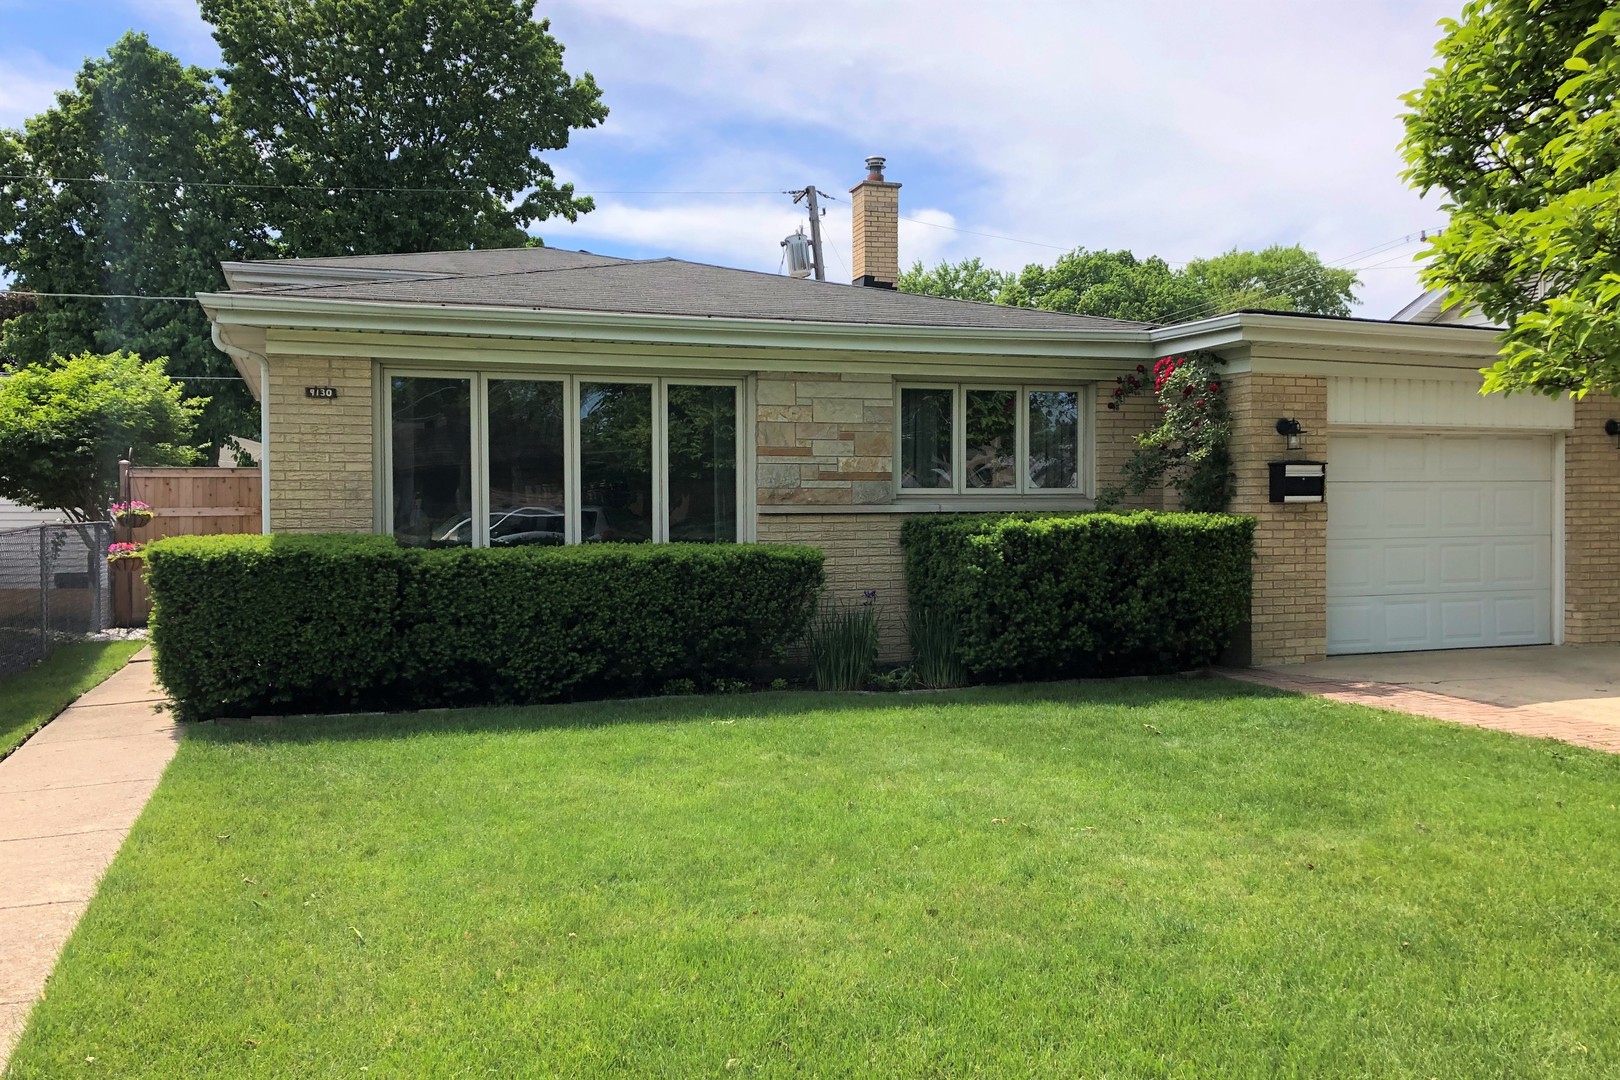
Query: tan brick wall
1289, 612
863, 552
1591, 513
1117, 430
320, 450
825, 439
875, 249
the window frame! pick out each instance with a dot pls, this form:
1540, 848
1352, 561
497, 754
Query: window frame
572, 491
1023, 488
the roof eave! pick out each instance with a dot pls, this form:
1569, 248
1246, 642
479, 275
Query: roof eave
553, 324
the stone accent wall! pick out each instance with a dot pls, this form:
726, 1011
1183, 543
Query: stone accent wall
863, 552
320, 449
1591, 513
1288, 615
875, 243
1117, 430
825, 439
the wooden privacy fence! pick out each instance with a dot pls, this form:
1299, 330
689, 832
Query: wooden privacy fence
184, 502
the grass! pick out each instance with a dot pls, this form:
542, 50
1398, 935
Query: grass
30, 698
1167, 878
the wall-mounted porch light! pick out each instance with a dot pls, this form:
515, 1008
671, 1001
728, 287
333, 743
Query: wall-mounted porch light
1290, 430
1611, 428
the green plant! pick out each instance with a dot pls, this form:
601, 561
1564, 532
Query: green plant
64, 426
724, 685
779, 683
1517, 127
933, 648
1044, 596
843, 644
246, 624
1188, 448
903, 677
679, 687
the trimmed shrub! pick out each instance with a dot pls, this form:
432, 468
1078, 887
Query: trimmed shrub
1046, 596
285, 623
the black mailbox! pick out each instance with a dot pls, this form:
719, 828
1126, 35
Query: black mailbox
1298, 481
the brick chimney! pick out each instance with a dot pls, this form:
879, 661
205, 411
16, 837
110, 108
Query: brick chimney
875, 248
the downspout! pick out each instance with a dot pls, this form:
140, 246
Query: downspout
243, 358
264, 448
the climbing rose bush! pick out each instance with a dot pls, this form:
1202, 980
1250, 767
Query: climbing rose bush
1189, 447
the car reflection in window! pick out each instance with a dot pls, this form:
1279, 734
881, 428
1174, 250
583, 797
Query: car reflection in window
526, 526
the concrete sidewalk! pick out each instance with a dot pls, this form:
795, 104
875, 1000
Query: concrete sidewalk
68, 797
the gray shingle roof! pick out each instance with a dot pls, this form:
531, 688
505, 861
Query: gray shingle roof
553, 279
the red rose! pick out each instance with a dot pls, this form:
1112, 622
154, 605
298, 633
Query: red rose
1214, 387
1140, 370
1199, 403
1113, 404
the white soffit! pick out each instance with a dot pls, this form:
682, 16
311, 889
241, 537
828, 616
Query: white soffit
1441, 403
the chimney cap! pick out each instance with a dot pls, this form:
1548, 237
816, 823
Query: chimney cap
874, 167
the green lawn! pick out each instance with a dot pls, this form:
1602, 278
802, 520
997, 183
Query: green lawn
1156, 878
29, 698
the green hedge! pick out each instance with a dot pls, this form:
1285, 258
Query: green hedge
1045, 596
301, 623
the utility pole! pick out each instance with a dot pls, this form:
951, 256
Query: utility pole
809, 196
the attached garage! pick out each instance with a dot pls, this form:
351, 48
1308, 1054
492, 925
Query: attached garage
1439, 541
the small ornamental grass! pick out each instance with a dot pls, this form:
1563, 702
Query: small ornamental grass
934, 648
844, 644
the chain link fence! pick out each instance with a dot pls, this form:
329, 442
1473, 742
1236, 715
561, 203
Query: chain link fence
54, 587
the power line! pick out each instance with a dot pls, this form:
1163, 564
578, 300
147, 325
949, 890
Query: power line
330, 188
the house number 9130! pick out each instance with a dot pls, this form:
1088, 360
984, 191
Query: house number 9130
320, 391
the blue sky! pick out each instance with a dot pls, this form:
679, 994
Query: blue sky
1172, 128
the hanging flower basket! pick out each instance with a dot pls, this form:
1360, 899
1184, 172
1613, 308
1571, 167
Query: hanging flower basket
132, 514
123, 553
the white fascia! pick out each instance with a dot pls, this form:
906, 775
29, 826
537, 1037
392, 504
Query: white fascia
284, 311
1335, 339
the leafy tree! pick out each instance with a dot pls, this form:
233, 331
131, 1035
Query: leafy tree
454, 97
1276, 278
1517, 126
102, 203
1118, 285
64, 427
969, 279
1110, 284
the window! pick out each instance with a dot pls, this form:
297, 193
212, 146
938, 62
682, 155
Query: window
432, 461
970, 440
506, 461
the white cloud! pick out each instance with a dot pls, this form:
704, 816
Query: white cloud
28, 87
1173, 128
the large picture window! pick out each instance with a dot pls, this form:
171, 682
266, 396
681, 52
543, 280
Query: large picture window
971, 440
431, 465
503, 461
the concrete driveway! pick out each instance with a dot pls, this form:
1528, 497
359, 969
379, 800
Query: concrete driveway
1564, 692
1581, 682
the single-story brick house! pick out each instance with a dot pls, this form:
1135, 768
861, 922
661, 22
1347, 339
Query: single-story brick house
541, 395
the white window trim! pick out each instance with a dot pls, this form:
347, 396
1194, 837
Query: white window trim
1023, 489
572, 494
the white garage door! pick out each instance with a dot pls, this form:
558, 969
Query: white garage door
1438, 542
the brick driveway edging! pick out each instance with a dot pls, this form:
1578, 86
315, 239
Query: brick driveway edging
1537, 723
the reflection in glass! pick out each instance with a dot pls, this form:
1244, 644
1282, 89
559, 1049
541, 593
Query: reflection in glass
615, 461
703, 463
432, 460
992, 439
525, 462
925, 438
1054, 439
